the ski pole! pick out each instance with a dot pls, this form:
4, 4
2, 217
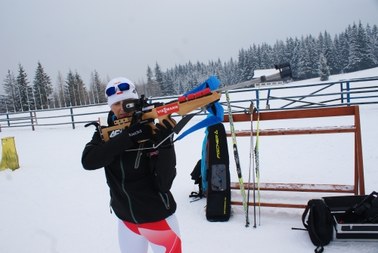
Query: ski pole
252, 167
257, 152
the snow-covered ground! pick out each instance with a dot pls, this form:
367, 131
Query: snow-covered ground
51, 204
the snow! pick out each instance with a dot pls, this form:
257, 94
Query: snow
51, 204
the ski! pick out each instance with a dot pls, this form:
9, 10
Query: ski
237, 160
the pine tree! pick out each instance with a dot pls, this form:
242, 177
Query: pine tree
266, 60
71, 94
279, 52
97, 89
245, 65
367, 58
324, 71
353, 56
342, 48
295, 57
328, 50
360, 53
305, 65
313, 59
61, 90
374, 43
230, 74
159, 79
148, 89
24, 91
42, 88
82, 98
289, 48
11, 91
153, 87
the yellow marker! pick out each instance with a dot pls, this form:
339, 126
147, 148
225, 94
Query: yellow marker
9, 158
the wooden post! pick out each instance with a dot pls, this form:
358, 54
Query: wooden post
32, 120
72, 118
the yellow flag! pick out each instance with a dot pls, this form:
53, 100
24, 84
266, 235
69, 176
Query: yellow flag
9, 159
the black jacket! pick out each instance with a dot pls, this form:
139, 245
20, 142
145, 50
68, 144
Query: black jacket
134, 198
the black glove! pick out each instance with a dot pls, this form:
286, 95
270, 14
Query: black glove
140, 132
163, 131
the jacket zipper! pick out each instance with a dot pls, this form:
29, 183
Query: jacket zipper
125, 192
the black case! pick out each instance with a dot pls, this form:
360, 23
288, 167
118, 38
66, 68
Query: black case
350, 221
218, 206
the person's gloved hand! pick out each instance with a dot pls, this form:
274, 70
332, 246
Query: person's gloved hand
164, 130
140, 132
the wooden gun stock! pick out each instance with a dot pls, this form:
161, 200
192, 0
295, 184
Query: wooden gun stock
182, 106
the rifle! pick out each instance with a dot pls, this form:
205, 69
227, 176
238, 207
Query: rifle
149, 112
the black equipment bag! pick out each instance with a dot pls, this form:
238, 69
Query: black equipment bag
197, 177
318, 221
356, 216
218, 206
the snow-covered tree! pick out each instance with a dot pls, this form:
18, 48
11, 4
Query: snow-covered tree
365, 49
159, 79
11, 91
60, 92
324, 71
71, 96
42, 88
246, 69
360, 53
374, 42
24, 91
82, 98
97, 89
305, 66
152, 86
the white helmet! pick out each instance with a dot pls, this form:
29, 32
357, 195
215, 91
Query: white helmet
119, 89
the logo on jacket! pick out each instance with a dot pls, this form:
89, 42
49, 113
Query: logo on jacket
114, 133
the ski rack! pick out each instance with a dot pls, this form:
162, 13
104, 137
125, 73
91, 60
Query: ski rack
358, 188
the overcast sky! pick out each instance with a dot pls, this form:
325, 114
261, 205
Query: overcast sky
123, 37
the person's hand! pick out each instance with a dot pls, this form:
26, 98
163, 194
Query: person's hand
140, 132
164, 130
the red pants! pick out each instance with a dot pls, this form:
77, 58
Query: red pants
163, 236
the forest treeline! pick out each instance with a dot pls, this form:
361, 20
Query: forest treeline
310, 56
